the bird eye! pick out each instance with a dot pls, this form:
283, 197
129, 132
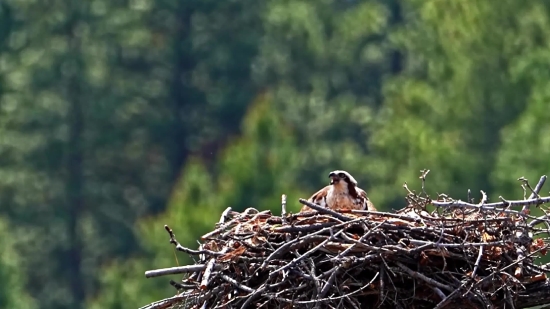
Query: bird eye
342, 175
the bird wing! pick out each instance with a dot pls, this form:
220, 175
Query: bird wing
319, 198
367, 204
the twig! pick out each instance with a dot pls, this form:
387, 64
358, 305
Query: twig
538, 220
359, 241
235, 283
478, 261
325, 210
453, 245
535, 192
476, 266
253, 296
180, 286
179, 247
308, 253
447, 299
208, 273
224, 215
165, 303
510, 265
311, 271
283, 207
174, 270
331, 298
329, 282
420, 276
303, 228
438, 292
494, 206
288, 245
483, 198
382, 284
423, 177
406, 216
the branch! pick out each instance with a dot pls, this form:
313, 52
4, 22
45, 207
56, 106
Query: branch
174, 270
207, 273
535, 192
498, 206
325, 210
181, 248
420, 276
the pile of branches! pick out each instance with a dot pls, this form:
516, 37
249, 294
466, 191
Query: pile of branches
434, 253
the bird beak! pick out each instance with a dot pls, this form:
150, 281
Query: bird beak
333, 178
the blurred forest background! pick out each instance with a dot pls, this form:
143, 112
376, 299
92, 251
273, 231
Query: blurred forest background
120, 116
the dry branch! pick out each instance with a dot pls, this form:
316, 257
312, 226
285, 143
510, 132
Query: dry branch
461, 255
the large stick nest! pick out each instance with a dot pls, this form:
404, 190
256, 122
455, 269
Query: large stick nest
460, 254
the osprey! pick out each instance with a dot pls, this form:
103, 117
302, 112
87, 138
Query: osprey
342, 193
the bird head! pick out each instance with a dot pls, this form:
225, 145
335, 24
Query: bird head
341, 178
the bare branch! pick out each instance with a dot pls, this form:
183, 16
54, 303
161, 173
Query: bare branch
174, 270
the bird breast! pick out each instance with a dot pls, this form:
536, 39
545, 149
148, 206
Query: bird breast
340, 200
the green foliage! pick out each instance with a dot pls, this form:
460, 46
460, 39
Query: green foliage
13, 293
325, 62
101, 104
446, 109
525, 140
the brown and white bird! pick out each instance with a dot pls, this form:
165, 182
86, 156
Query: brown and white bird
342, 193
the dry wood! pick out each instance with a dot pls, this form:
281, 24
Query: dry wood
458, 255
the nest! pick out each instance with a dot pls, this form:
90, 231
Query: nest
460, 255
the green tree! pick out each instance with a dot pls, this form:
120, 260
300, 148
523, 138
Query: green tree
525, 141
325, 62
13, 293
446, 109
102, 103
41, 150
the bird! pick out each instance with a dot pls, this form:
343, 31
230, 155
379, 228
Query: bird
342, 193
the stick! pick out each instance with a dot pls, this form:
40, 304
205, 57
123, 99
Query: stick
283, 207
420, 276
438, 292
493, 206
179, 247
303, 228
235, 283
476, 266
174, 270
165, 303
180, 286
207, 273
306, 239
325, 210
406, 216
538, 187
478, 261
535, 192
483, 198
331, 298
253, 296
224, 215
303, 256
329, 282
